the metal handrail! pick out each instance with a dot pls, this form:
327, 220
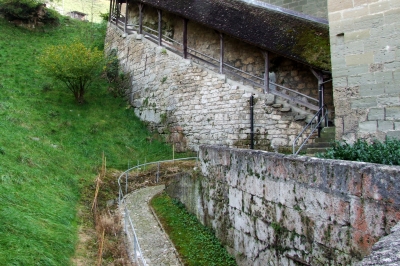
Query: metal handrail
244, 72
207, 56
293, 91
128, 224
322, 112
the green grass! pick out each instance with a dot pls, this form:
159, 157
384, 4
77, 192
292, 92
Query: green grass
50, 147
196, 244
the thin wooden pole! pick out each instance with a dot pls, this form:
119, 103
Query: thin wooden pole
110, 13
140, 18
113, 8
126, 16
221, 54
159, 27
185, 47
118, 11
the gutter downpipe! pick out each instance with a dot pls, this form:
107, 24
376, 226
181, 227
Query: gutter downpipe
252, 122
321, 82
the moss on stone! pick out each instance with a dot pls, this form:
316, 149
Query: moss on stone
314, 47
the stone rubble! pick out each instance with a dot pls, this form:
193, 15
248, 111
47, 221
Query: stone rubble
386, 251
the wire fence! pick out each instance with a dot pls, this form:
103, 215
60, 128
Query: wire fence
129, 228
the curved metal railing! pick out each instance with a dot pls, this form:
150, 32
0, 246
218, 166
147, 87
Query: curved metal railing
129, 229
314, 124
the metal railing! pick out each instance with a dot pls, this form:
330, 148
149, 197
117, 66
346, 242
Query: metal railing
129, 228
243, 76
314, 124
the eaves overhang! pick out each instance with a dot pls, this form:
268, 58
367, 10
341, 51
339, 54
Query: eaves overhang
271, 28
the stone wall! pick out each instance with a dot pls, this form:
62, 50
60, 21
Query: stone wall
365, 37
316, 8
271, 209
191, 105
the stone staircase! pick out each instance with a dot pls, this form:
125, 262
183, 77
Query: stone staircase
322, 143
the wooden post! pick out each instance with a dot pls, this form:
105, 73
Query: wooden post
266, 71
113, 8
110, 13
159, 26
118, 10
140, 18
126, 16
221, 54
185, 47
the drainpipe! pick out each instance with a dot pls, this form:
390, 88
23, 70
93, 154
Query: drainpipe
321, 103
252, 122
321, 82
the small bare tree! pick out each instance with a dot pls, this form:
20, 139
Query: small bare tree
75, 65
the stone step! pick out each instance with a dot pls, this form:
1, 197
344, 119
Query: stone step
321, 143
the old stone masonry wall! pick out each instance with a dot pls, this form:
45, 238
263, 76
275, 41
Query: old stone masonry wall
271, 209
365, 47
191, 105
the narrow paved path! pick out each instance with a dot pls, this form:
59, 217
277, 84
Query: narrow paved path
156, 248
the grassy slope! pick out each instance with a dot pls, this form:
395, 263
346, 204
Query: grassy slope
50, 148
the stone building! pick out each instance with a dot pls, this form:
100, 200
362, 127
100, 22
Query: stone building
225, 48
203, 95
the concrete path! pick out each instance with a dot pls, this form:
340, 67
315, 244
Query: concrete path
156, 247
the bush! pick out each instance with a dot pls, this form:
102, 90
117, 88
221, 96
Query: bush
387, 152
75, 65
105, 16
28, 11
23, 9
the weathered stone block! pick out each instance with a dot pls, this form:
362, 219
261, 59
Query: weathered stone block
393, 112
357, 35
376, 114
393, 134
372, 89
334, 6
360, 59
355, 12
384, 101
385, 125
368, 126
364, 102
379, 7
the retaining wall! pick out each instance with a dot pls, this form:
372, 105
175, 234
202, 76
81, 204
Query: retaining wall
271, 209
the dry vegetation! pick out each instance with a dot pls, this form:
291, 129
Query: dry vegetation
101, 239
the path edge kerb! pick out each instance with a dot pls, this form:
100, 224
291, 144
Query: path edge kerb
162, 228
